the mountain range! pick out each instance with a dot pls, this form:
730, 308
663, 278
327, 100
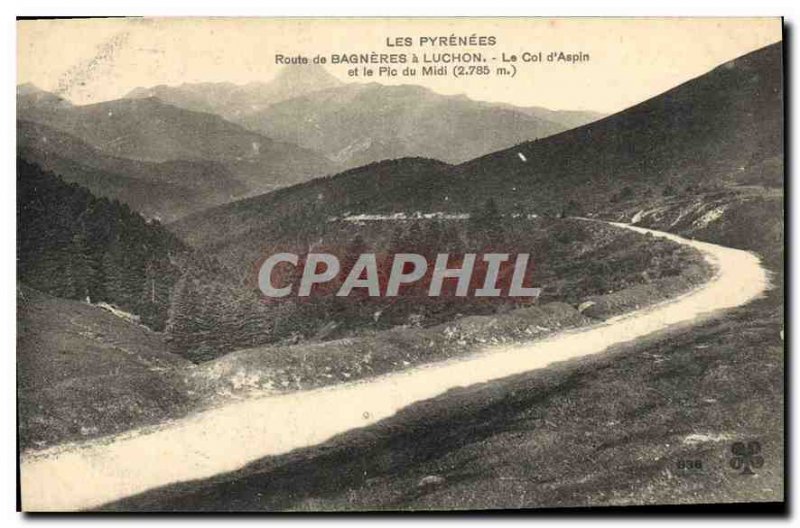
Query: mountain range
720, 130
162, 160
354, 124
233, 101
164, 190
168, 151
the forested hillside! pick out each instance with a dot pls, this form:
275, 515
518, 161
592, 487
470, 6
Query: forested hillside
163, 190
74, 245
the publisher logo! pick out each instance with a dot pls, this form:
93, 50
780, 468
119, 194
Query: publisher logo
746, 457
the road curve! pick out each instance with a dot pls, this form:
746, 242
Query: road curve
225, 439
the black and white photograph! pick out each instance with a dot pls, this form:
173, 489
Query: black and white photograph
397, 264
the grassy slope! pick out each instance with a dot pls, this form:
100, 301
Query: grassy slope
572, 435
83, 372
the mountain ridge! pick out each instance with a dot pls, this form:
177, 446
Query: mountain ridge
231, 100
720, 129
151, 131
371, 121
359, 123
162, 190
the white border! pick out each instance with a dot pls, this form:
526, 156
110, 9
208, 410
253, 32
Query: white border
787, 8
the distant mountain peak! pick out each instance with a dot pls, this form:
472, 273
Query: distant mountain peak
142, 92
232, 100
306, 76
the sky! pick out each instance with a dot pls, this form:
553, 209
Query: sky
630, 60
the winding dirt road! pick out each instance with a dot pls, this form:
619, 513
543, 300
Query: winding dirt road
225, 439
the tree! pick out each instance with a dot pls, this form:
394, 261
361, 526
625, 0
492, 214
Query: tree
80, 271
487, 222
626, 193
572, 208
74, 245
